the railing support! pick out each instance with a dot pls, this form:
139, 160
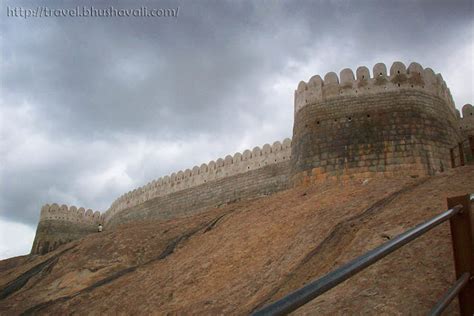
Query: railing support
462, 229
450, 295
319, 286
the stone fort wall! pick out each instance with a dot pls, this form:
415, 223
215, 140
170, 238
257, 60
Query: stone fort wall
239, 163
212, 183
246, 175
262, 181
349, 126
402, 123
61, 224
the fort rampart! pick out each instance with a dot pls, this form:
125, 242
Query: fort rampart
61, 224
229, 166
246, 175
262, 181
401, 122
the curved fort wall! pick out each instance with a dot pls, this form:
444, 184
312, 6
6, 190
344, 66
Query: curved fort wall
61, 224
397, 122
401, 122
260, 171
244, 175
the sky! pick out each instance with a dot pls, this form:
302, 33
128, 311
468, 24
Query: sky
92, 107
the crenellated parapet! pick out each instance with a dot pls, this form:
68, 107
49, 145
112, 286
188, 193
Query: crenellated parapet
214, 170
385, 123
61, 224
399, 77
396, 122
71, 214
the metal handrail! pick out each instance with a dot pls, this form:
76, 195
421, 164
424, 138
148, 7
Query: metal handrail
450, 295
307, 293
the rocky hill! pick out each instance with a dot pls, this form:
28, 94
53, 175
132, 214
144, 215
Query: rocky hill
238, 257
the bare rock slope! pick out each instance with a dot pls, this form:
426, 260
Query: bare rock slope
236, 258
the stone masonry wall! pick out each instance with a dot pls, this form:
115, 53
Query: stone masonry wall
61, 224
206, 173
242, 176
262, 181
404, 123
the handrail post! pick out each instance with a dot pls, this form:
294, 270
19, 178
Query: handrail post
462, 229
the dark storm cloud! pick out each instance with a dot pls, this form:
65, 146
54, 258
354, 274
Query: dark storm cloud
204, 73
170, 75
178, 75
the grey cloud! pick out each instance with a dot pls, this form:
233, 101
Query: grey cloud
200, 75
